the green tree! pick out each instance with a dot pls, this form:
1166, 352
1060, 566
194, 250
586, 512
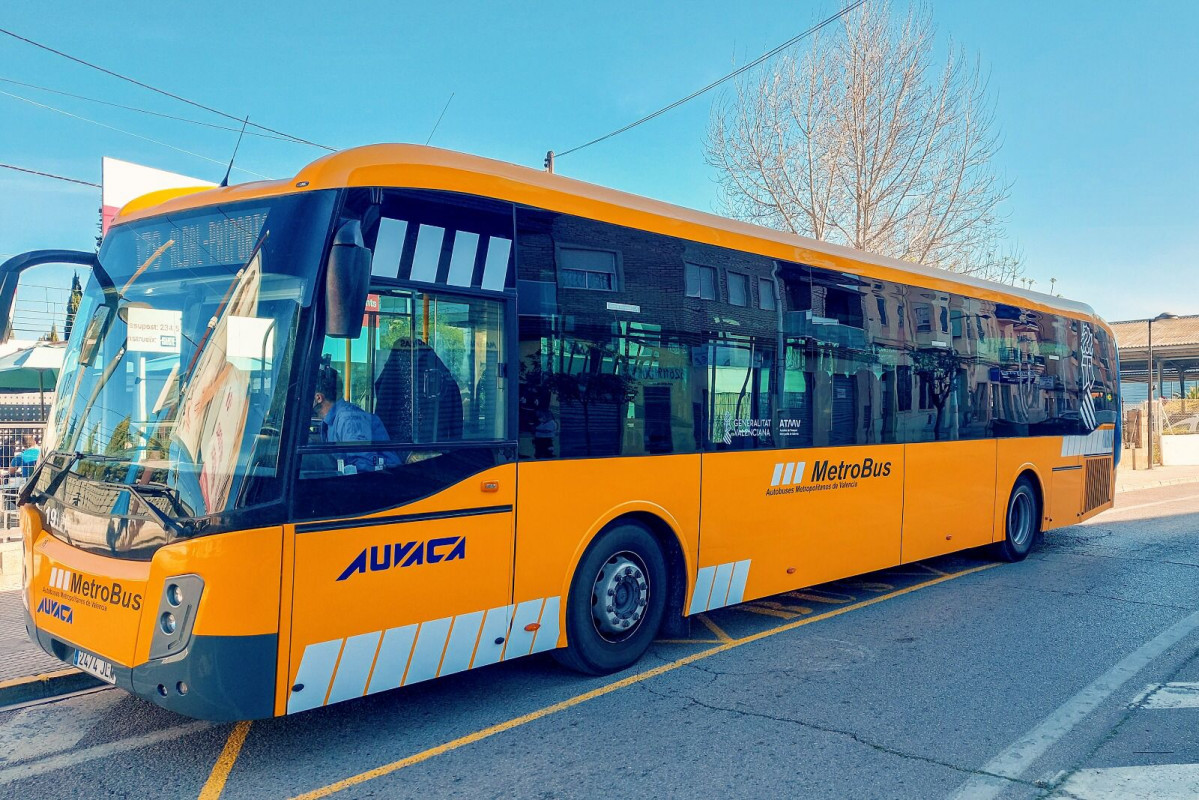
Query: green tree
72, 306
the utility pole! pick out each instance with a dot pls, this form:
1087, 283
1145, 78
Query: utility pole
549, 162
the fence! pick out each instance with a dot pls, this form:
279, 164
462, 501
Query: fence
13, 437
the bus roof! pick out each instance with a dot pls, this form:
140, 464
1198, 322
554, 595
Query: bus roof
419, 167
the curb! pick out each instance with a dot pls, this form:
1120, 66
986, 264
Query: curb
49, 684
1155, 484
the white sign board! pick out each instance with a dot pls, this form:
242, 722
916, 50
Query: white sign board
152, 330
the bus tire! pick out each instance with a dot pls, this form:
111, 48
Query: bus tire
1022, 522
616, 601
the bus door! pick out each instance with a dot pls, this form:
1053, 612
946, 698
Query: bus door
403, 552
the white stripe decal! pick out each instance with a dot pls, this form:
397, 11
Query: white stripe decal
777, 478
788, 472
520, 641
720, 586
420, 651
430, 644
392, 659
462, 258
703, 588
799, 471
737, 587
546, 637
354, 667
1099, 442
495, 267
64, 580
53, 577
495, 626
314, 674
462, 642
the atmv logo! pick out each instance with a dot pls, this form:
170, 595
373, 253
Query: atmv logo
59, 611
377, 558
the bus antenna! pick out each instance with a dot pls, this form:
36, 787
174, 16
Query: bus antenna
244, 123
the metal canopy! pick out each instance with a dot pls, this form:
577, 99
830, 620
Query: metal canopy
1175, 348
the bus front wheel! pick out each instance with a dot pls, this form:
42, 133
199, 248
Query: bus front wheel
1022, 522
616, 601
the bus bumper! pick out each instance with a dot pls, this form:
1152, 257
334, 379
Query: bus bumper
218, 678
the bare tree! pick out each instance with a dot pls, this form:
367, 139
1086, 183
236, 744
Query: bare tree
862, 141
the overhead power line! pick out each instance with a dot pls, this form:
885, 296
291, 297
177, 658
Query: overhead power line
49, 175
155, 89
764, 57
128, 133
159, 114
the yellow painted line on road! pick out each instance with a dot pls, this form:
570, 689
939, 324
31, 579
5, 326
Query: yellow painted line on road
632, 680
44, 677
686, 641
723, 637
757, 608
224, 762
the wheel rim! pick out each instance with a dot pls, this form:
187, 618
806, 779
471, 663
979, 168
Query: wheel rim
1020, 520
620, 596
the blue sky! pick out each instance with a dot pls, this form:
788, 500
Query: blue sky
1096, 101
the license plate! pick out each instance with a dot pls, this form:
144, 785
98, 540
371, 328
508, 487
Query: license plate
94, 666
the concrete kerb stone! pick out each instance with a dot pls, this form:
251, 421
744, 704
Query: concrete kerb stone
1151, 484
40, 687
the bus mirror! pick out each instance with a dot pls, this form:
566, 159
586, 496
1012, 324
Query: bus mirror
12, 269
347, 281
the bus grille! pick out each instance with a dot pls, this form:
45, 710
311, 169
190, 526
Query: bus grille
1098, 483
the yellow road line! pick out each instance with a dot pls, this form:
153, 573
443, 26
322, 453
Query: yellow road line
45, 676
754, 608
723, 637
686, 641
224, 762
532, 716
933, 570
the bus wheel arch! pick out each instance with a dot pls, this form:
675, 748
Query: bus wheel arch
635, 556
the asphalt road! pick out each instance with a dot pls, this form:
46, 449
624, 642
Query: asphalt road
1073, 674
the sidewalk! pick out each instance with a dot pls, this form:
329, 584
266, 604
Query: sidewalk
19, 656
1128, 480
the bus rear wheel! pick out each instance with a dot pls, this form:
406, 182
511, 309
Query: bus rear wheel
1022, 522
616, 601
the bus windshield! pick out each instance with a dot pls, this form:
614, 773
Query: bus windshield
175, 381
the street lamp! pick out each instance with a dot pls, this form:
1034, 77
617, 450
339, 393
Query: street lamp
1158, 318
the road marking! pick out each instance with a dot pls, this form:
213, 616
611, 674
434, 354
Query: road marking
717, 631
631, 680
756, 608
1169, 695
45, 730
1163, 782
1019, 756
224, 762
20, 772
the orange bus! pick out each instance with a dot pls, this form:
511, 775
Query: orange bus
413, 412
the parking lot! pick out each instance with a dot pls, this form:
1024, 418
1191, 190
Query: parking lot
1066, 675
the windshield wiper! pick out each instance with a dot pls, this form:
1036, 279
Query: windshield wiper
28, 489
163, 518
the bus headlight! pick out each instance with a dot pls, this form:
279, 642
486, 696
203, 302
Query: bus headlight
177, 609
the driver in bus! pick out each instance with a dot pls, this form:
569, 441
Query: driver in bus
343, 421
